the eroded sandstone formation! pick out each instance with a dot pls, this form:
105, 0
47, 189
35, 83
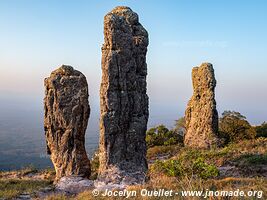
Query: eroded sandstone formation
201, 115
123, 98
66, 116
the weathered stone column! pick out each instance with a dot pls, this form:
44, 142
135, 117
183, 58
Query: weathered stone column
201, 115
123, 98
66, 116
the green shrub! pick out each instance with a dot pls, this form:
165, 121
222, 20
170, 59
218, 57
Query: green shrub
160, 135
170, 141
180, 126
233, 127
261, 131
204, 170
182, 167
169, 167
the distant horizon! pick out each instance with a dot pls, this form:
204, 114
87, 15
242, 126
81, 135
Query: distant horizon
37, 37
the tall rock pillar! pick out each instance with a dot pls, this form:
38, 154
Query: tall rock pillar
201, 115
66, 116
123, 98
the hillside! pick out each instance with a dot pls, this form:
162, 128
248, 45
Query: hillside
241, 166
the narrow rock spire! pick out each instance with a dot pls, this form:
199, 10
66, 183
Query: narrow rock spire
201, 115
123, 98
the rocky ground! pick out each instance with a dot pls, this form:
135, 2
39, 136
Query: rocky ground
242, 165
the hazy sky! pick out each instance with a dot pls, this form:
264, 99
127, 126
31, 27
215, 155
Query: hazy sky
38, 36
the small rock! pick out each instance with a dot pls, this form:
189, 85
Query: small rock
228, 170
74, 184
24, 196
114, 178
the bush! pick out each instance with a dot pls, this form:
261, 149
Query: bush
161, 135
233, 127
169, 167
204, 170
261, 131
180, 126
185, 167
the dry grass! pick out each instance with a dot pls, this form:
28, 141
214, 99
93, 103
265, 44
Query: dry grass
58, 197
154, 152
10, 188
161, 181
28, 173
27, 180
217, 156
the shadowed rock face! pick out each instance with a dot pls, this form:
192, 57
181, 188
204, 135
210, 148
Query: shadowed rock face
123, 98
66, 116
201, 115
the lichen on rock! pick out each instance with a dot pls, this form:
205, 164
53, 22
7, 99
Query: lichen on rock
201, 115
66, 116
123, 98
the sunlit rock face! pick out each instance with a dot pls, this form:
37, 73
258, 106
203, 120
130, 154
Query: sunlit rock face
66, 116
123, 98
201, 115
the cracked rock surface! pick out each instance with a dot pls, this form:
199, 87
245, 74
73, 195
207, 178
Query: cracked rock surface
201, 115
123, 98
66, 116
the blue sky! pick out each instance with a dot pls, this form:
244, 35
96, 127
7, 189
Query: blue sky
38, 36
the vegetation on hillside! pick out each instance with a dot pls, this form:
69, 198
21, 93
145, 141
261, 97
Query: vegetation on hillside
26, 181
201, 171
261, 130
162, 136
241, 163
234, 127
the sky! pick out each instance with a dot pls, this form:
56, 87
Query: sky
37, 37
